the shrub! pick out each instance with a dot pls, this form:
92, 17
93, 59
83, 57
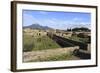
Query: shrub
28, 47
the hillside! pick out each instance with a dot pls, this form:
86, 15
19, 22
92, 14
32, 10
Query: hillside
37, 26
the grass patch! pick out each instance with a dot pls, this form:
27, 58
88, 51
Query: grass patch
31, 43
83, 40
28, 43
45, 42
60, 57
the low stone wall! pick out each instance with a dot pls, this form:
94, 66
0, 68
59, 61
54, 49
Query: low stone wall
81, 45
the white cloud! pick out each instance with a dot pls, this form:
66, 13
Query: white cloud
81, 24
77, 19
43, 12
51, 21
29, 20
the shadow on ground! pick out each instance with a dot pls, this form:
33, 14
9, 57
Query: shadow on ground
82, 55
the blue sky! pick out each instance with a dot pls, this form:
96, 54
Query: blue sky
56, 20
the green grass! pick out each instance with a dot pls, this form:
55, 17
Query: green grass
83, 40
28, 43
45, 42
38, 43
60, 57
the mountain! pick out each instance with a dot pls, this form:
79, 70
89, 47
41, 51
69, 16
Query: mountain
37, 26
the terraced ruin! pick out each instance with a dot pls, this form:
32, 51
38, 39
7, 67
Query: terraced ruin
51, 45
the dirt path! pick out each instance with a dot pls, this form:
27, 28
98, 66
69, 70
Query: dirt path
36, 55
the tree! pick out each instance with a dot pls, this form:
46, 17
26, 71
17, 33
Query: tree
69, 29
81, 29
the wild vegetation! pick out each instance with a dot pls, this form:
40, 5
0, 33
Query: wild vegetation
82, 40
38, 43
